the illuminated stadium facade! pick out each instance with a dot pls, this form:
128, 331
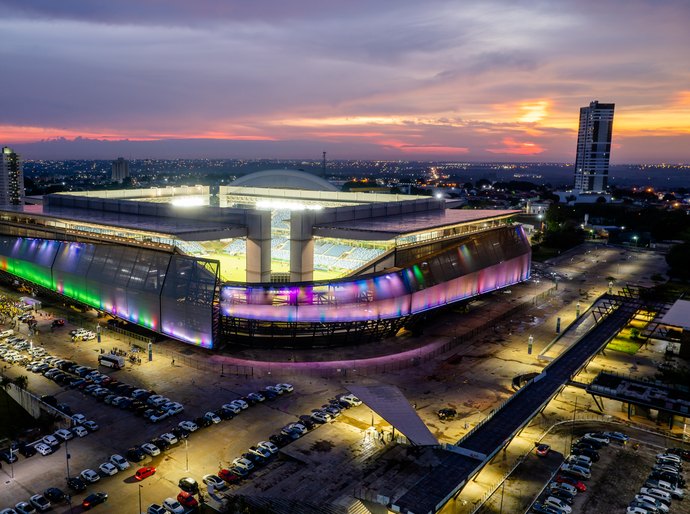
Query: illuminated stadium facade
299, 265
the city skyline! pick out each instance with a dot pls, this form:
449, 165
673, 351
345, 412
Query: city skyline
396, 80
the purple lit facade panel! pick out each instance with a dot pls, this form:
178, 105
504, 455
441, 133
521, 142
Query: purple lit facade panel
481, 264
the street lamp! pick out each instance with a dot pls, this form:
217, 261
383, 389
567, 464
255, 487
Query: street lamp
634, 238
140, 486
186, 453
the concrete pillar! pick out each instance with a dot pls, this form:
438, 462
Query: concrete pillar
301, 246
258, 264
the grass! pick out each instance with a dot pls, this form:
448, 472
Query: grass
624, 340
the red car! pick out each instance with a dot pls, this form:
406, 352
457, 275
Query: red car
228, 476
145, 472
543, 450
561, 479
187, 499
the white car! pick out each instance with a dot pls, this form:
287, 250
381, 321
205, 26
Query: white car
40, 502
321, 417
51, 440
212, 417
119, 461
240, 403
668, 456
80, 431
552, 501
651, 502
174, 408
173, 506
287, 388
169, 438
596, 437
235, 409
78, 419
63, 434
656, 493
636, 510
108, 469
243, 463
44, 449
575, 470
274, 389
261, 452
215, 481
189, 426
351, 399
269, 446
150, 449
90, 476
156, 417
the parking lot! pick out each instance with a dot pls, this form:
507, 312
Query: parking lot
472, 384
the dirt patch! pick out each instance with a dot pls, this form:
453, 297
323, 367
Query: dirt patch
616, 478
322, 446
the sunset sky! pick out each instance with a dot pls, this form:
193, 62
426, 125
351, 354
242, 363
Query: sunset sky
376, 79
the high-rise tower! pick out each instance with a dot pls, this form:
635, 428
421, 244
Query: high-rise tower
593, 147
120, 170
11, 178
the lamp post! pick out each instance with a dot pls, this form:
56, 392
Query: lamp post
12, 450
140, 486
635, 238
530, 340
577, 310
186, 454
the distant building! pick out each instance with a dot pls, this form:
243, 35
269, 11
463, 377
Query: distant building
11, 178
593, 148
120, 170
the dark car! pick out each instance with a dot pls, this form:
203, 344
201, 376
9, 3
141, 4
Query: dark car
162, 444
135, 454
58, 323
597, 445
50, 400
54, 494
94, 499
446, 414
202, 421
256, 459
9, 457
307, 422
64, 408
587, 452
77, 383
180, 432
76, 484
683, 454
671, 478
280, 440
27, 450
268, 394
225, 413
189, 485
542, 450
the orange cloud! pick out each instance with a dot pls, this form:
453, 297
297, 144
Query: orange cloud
20, 134
513, 147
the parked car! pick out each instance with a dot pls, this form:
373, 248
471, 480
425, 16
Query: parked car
170, 438
145, 472
189, 485
618, 437
154, 508
80, 431
90, 476
135, 454
173, 506
286, 388
43, 449
76, 484
542, 450
150, 449
119, 461
215, 481
596, 436
228, 476
212, 417
575, 470
189, 426
269, 446
40, 502
94, 499
443, 414
54, 494
187, 500
108, 469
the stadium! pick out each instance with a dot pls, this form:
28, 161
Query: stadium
277, 258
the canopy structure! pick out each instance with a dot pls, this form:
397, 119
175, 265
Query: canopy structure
388, 402
678, 315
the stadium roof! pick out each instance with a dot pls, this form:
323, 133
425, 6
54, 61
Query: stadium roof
388, 227
180, 228
289, 179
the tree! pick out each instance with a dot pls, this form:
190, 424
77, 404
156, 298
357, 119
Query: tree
21, 381
677, 259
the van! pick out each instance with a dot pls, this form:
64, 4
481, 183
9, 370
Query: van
6, 333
